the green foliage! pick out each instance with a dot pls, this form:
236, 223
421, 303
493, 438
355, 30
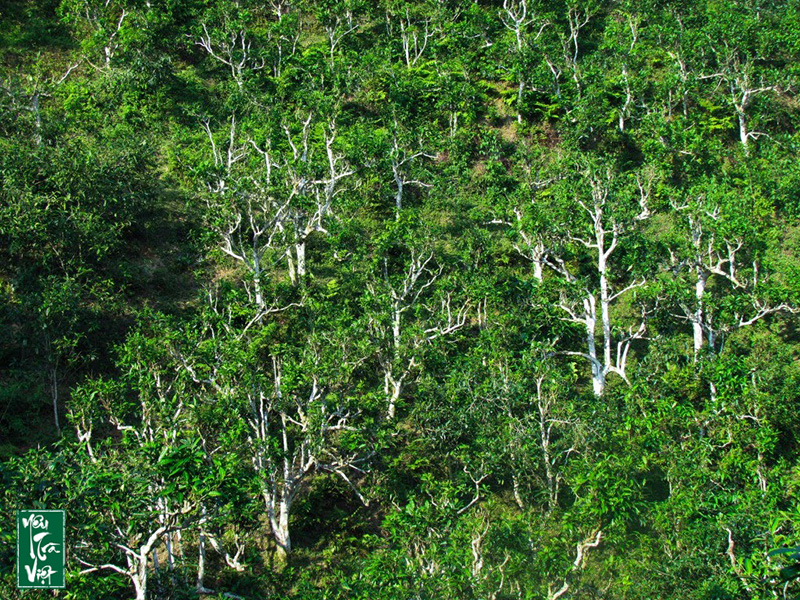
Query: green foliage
468, 299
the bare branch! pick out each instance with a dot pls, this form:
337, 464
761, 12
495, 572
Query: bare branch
582, 549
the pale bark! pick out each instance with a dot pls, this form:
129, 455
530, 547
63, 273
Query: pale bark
534, 244
275, 415
234, 51
259, 221
151, 429
100, 17
683, 74
577, 20
698, 317
736, 567
201, 565
337, 30
400, 160
624, 112
397, 354
582, 550
742, 90
302, 446
279, 505
545, 439
515, 488
414, 36
300, 252
206, 535
137, 558
722, 259
536, 252
514, 16
606, 232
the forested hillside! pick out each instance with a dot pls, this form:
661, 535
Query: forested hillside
403, 299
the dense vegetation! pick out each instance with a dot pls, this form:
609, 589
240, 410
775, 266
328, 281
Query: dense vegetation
403, 299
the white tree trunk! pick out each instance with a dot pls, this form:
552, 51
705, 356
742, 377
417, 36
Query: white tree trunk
743, 135
398, 197
279, 506
537, 270
139, 589
290, 262
544, 437
697, 318
604, 309
257, 277
138, 572
392, 388
280, 529
598, 372
201, 565
517, 495
396, 314
300, 249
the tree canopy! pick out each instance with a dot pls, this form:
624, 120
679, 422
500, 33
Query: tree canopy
403, 299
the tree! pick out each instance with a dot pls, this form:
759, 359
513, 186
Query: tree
291, 405
721, 243
233, 49
604, 215
400, 322
143, 490
417, 27
517, 19
263, 198
104, 25
401, 161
